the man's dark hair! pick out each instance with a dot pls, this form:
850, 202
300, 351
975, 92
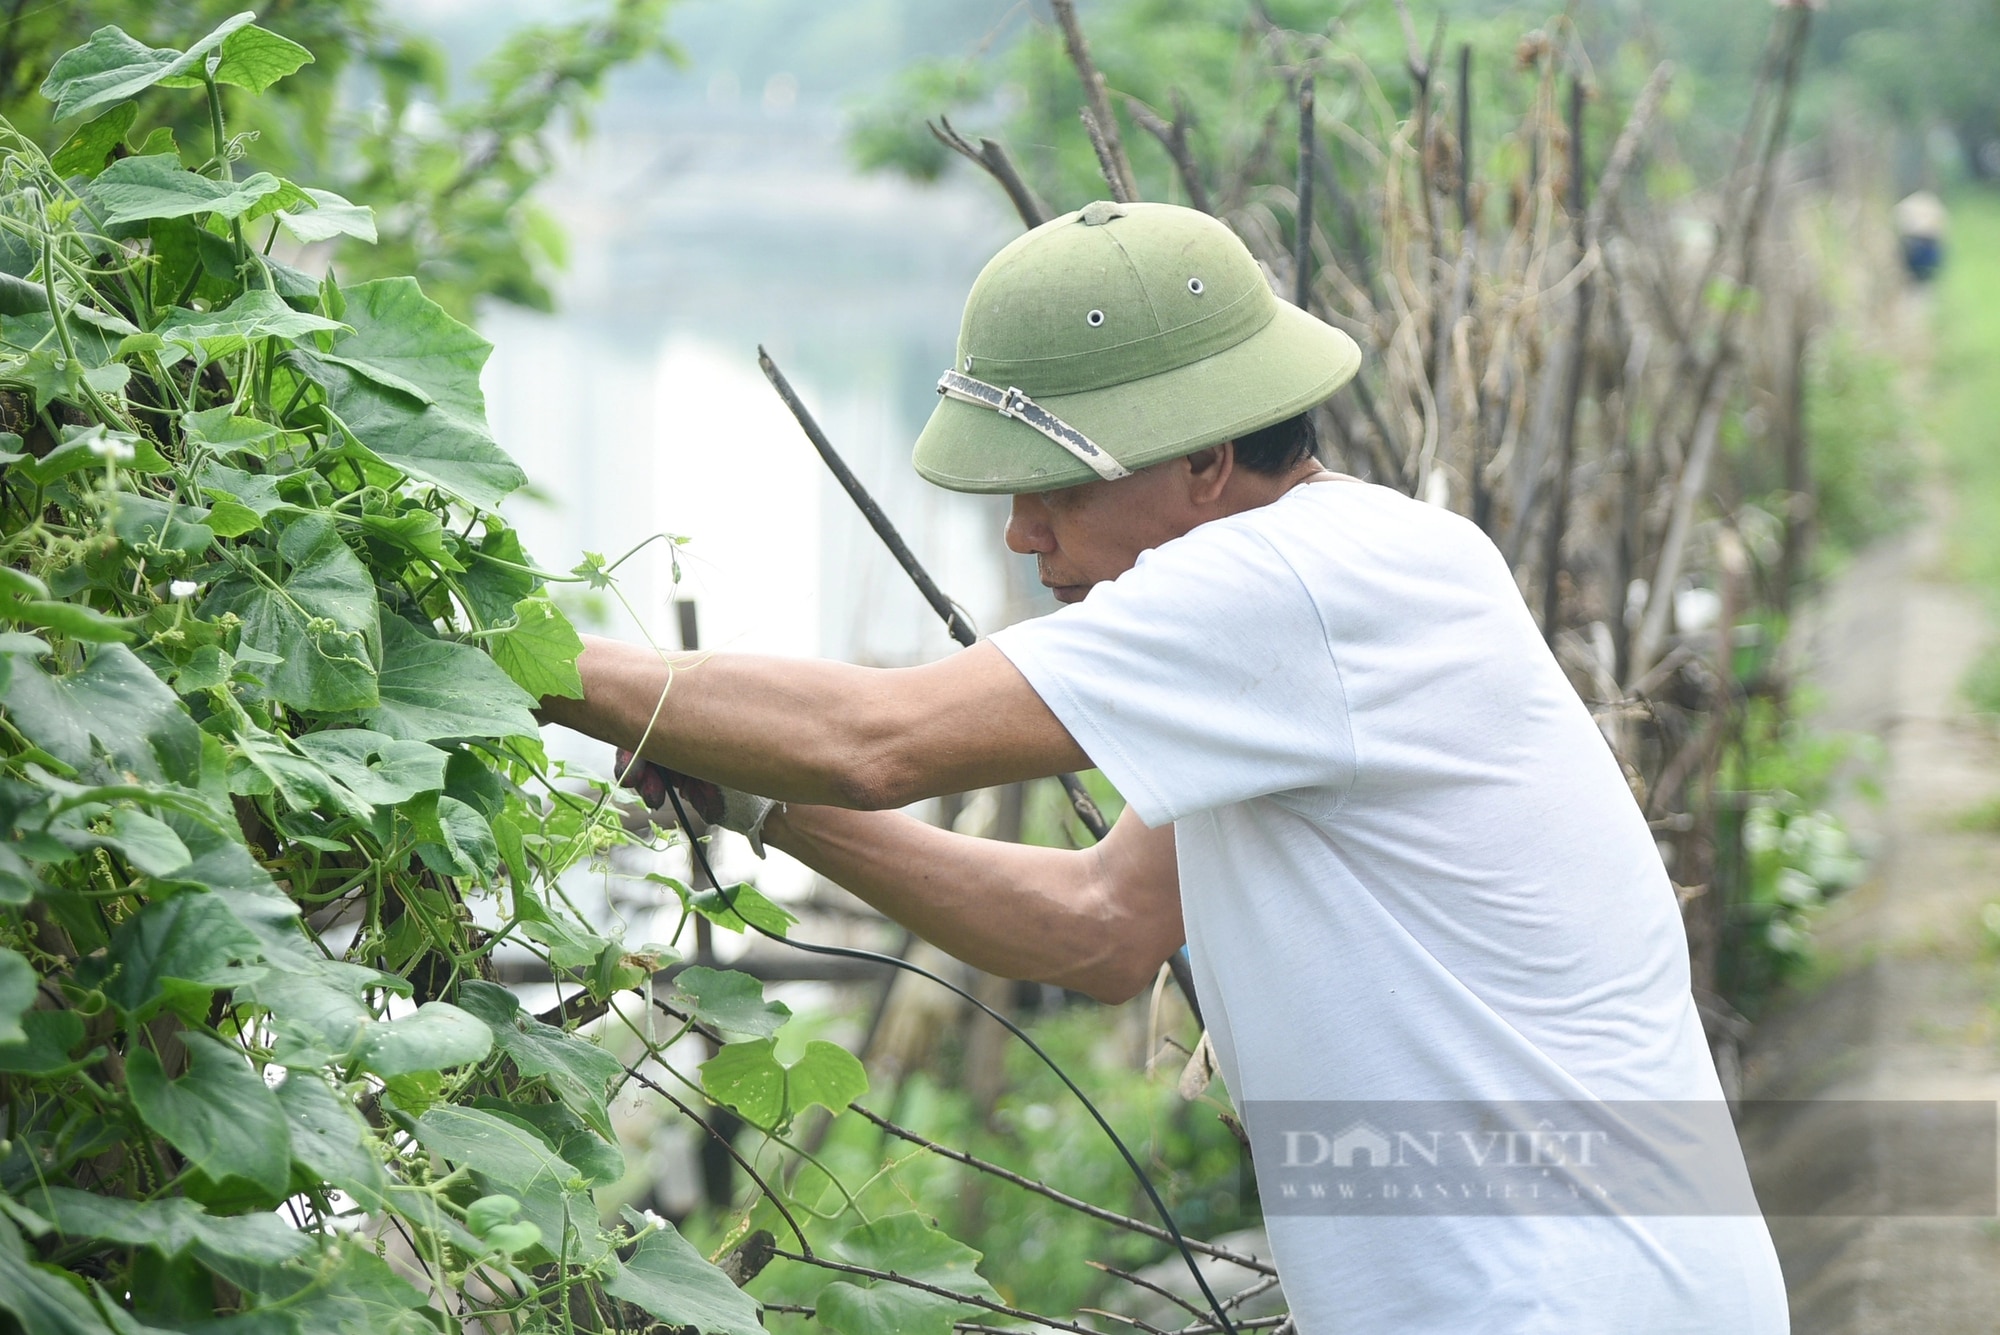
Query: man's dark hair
1279, 447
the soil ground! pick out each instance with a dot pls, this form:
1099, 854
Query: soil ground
1905, 1008
1907, 1002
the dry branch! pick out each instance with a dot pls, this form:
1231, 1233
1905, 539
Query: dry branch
1117, 170
994, 159
925, 1286
1141, 1282
1173, 137
1096, 1212
1573, 368
1302, 244
1708, 399
1115, 179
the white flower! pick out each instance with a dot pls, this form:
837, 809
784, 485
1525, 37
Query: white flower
114, 448
1784, 937
183, 588
1796, 888
653, 1220
1760, 830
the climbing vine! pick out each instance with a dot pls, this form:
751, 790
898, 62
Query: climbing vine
272, 796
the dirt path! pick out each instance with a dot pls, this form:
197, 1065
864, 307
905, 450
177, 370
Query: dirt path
1909, 1011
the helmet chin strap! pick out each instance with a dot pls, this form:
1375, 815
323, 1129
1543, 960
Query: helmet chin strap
1011, 402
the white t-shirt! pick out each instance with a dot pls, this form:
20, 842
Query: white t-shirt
1410, 870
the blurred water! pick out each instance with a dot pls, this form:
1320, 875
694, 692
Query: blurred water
638, 406
714, 208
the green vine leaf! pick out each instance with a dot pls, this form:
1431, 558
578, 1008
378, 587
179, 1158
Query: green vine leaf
267, 765
749, 1078
317, 1022
258, 313
597, 1159
87, 151
349, 1291
579, 1073
453, 839
252, 58
854, 1308
420, 438
18, 984
507, 1151
175, 951
437, 1037
220, 430
330, 1139
222, 866
231, 519
170, 1226
912, 1247
143, 188
111, 67
89, 447
378, 769
404, 341
740, 904
43, 1300
113, 707
221, 1114
508, 1155
49, 376
541, 650
493, 583
667, 1277
320, 619
405, 386
728, 1000
417, 531
435, 689
157, 528
148, 844
45, 1051
329, 217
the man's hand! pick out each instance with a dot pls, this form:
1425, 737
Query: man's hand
725, 808
643, 777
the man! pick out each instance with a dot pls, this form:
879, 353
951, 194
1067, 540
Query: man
1920, 225
1407, 867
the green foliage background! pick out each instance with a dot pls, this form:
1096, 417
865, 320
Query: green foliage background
1965, 405
451, 178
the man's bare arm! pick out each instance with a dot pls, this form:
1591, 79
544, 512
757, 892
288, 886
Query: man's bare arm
842, 743
1099, 921
805, 730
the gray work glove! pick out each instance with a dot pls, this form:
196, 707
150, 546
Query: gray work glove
727, 808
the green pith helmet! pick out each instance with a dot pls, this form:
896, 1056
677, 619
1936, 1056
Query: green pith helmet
1115, 337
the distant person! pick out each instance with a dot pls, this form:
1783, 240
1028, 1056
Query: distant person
1920, 220
1407, 866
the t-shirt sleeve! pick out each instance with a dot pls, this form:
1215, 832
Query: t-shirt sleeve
1200, 677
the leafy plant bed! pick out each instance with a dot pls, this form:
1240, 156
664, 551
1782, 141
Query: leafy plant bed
267, 681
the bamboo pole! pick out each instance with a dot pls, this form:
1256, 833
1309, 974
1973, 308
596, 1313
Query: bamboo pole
1573, 368
1303, 233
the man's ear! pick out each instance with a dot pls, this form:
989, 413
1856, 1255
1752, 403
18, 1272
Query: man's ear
1209, 470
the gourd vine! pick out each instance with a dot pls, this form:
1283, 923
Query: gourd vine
273, 794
